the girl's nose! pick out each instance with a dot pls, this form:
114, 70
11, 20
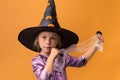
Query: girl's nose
47, 41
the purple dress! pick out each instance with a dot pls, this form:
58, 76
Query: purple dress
59, 70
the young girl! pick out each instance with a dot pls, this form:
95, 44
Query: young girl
53, 44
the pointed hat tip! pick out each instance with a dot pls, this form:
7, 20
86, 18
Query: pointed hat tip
50, 16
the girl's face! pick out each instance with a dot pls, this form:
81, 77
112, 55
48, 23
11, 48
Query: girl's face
47, 41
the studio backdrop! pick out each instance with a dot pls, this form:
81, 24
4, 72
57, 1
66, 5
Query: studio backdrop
84, 17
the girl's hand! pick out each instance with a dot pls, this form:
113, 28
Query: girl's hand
54, 53
100, 38
100, 42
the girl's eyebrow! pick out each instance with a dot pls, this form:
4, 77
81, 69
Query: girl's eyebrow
54, 36
42, 34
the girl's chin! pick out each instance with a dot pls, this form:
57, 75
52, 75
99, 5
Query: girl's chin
47, 51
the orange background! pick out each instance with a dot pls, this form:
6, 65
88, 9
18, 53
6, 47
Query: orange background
84, 17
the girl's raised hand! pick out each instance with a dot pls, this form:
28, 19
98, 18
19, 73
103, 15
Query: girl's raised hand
54, 53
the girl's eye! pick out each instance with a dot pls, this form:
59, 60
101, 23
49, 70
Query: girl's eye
44, 37
53, 38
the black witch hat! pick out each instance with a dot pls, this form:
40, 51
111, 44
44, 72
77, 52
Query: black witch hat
48, 23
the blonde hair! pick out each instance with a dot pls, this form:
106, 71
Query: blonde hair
36, 45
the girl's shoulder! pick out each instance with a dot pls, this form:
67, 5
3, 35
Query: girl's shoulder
39, 59
40, 56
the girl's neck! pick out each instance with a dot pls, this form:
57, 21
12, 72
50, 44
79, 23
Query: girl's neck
44, 54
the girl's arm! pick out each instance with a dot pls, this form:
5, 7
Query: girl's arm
38, 68
50, 62
90, 52
97, 45
41, 70
88, 48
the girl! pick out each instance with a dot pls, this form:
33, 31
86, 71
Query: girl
51, 63
53, 43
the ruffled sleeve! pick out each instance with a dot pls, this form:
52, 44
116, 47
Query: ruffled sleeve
75, 62
38, 69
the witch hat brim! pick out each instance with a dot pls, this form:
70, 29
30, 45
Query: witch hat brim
49, 23
27, 36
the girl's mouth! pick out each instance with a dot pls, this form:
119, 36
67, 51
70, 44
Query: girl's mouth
47, 48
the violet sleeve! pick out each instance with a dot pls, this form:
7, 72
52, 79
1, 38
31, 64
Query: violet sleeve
38, 69
75, 62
